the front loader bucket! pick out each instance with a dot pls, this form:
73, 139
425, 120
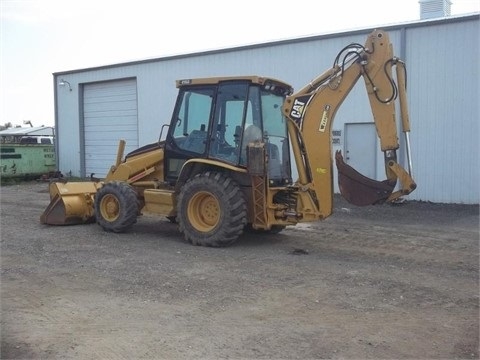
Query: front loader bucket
70, 203
358, 189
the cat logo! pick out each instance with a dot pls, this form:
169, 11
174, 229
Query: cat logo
297, 112
297, 109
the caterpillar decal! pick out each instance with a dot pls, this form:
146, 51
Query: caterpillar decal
298, 108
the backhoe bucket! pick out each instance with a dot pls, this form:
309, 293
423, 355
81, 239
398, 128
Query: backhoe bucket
358, 189
70, 203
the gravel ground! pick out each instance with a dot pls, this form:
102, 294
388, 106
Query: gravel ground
382, 282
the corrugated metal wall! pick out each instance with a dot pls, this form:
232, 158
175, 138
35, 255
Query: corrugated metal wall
443, 90
444, 96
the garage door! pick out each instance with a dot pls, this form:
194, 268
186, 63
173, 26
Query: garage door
361, 149
110, 114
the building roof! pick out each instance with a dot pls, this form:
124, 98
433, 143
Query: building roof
32, 131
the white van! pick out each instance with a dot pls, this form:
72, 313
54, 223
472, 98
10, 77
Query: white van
45, 140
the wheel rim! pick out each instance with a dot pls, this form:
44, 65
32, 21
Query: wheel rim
204, 211
110, 207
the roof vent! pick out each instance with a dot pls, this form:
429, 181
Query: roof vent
430, 9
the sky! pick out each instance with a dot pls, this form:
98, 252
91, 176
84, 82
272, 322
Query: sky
42, 37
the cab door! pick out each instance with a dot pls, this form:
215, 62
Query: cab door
188, 133
232, 110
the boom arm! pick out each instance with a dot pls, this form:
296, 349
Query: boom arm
311, 112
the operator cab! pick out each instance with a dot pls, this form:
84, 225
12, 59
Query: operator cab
216, 118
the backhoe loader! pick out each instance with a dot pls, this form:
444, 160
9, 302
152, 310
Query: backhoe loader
225, 165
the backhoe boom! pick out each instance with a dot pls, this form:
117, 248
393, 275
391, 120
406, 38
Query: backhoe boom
311, 112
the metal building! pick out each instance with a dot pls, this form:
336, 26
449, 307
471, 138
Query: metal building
96, 107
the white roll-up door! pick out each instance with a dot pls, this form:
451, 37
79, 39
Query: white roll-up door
110, 114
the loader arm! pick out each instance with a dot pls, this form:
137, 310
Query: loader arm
311, 113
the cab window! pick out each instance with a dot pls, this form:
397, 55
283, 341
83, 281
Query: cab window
231, 110
192, 118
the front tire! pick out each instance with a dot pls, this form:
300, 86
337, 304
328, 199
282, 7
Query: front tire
116, 207
211, 210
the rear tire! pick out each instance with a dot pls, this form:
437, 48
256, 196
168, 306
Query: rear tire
211, 210
116, 206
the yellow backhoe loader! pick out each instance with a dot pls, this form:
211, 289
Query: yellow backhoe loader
225, 165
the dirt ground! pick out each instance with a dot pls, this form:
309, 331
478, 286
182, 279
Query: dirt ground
383, 282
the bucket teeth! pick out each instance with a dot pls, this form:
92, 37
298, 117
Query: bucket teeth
358, 189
